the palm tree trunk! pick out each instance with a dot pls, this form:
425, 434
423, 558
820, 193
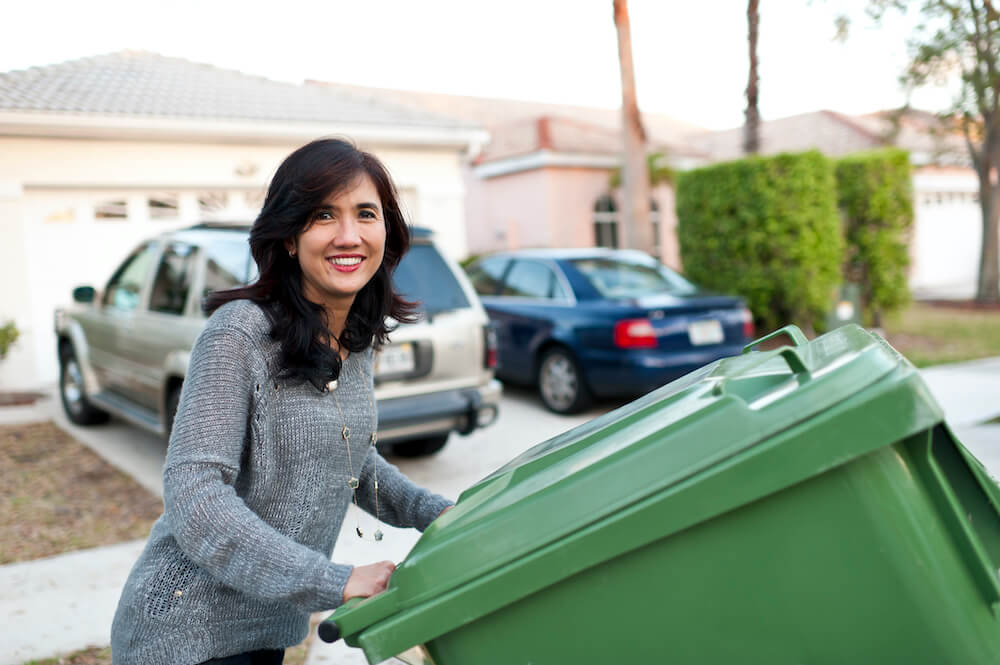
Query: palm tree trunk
638, 228
751, 130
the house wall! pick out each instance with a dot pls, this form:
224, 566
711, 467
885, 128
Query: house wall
52, 240
551, 207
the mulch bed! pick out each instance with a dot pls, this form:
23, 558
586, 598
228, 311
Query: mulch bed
9, 398
59, 496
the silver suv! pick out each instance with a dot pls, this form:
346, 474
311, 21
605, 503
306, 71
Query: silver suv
125, 351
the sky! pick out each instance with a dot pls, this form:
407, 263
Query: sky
690, 55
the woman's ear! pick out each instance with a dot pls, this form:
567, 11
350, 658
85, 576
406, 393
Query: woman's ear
290, 246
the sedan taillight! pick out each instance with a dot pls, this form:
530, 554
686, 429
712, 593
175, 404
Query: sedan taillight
489, 347
635, 334
748, 329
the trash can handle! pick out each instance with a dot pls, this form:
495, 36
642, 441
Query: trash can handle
791, 357
328, 629
790, 330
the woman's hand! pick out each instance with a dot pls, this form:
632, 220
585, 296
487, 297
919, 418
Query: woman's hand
368, 580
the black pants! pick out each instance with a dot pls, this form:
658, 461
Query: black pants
269, 657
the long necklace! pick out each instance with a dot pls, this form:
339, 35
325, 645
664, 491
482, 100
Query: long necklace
353, 481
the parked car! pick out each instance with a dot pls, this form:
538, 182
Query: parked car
583, 323
125, 351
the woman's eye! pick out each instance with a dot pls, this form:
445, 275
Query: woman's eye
368, 214
322, 215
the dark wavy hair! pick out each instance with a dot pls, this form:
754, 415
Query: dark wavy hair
301, 184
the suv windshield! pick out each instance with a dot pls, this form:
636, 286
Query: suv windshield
423, 276
614, 278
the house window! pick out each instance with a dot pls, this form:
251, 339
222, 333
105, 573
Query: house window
606, 222
116, 209
212, 202
163, 206
654, 218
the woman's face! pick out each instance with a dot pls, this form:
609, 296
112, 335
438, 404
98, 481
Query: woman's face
342, 246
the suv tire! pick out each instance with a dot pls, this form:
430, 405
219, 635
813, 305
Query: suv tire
170, 410
560, 382
420, 447
72, 391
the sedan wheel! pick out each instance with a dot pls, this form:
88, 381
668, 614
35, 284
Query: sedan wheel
560, 382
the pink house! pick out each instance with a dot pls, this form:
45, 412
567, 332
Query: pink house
543, 179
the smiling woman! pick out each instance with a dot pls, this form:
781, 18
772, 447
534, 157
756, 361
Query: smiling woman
276, 430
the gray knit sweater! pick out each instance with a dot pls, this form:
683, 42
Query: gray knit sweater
255, 491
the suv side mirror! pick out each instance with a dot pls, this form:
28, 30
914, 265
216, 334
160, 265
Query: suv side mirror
84, 294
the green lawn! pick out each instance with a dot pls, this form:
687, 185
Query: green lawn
932, 334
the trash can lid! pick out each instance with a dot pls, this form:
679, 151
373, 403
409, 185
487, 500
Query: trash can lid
539, 518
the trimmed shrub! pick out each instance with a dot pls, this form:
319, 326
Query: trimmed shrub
765, 228
875, 193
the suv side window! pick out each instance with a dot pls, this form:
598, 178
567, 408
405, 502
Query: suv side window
422, 275
487, 275
125, 287
227, 265
532, 279
173, 279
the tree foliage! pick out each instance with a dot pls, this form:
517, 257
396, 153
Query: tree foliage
875, 194
660, 172
766, 228
962, 37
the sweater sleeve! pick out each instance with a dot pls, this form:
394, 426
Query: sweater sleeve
401, 502
210, 522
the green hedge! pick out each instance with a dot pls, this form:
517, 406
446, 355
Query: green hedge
766, 228
875, 192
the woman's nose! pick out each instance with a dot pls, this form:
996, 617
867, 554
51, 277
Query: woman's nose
348, 233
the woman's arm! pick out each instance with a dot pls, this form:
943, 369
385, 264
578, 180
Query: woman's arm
211, 523
400, 501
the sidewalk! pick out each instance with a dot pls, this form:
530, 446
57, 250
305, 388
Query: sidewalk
64, 603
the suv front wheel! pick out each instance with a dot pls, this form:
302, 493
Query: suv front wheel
72, 392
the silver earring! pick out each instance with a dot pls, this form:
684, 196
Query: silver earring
291, 254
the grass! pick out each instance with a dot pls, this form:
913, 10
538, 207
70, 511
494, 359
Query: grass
932, 334
60, 496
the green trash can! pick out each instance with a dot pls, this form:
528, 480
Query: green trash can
801, 505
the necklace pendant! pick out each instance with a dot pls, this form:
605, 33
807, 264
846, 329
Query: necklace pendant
374, 438
357, 530
331, 386
353, 483
378, 534
346, 433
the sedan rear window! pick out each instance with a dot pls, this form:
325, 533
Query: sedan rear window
625, 279
424, 276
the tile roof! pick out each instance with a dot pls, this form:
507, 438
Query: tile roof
141, 83
566, 135
503, 115
837, 134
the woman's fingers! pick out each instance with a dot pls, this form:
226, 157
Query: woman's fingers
368, 580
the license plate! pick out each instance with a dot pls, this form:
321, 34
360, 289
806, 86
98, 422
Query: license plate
395, 359
705, 332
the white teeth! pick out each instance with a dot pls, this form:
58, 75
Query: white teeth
345, 260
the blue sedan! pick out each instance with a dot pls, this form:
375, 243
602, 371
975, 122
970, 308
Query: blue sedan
584, 323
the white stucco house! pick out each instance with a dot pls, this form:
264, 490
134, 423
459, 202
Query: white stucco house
100, 153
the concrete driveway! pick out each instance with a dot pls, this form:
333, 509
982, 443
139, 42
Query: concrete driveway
63, 603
